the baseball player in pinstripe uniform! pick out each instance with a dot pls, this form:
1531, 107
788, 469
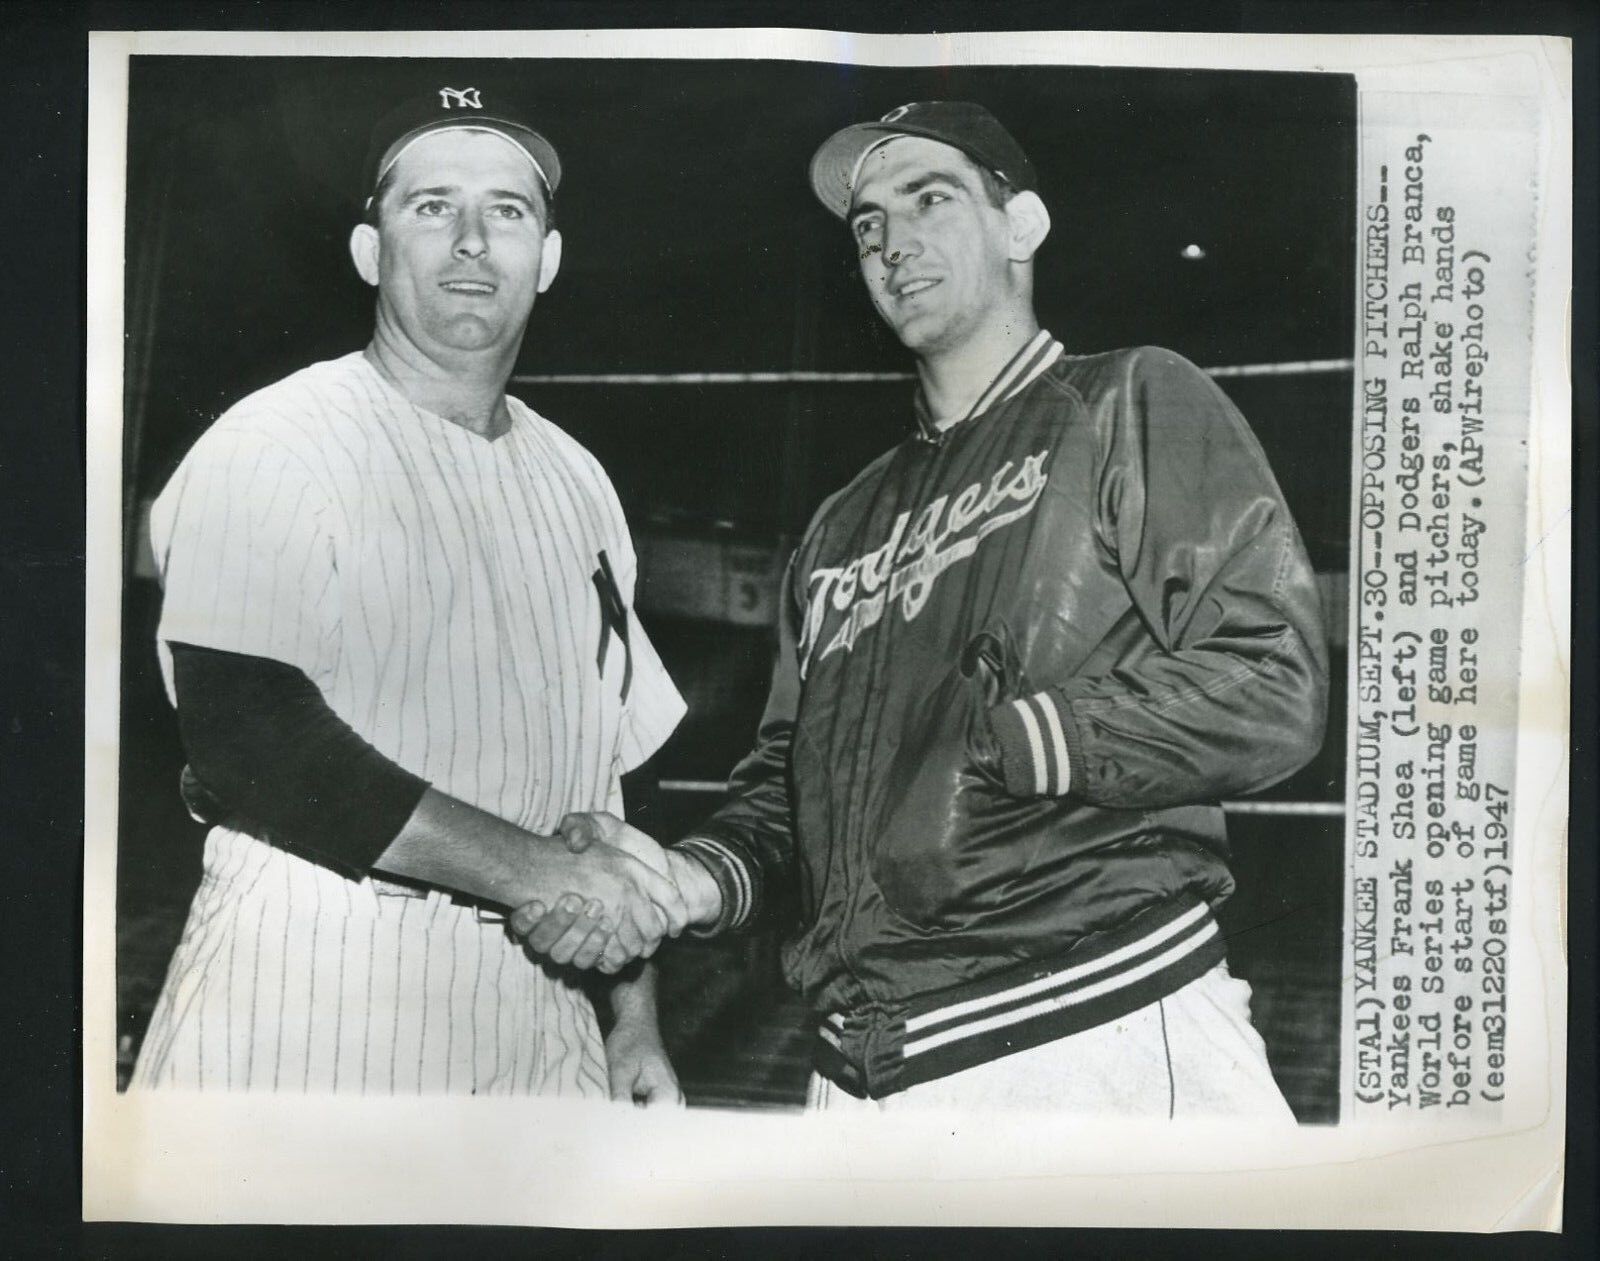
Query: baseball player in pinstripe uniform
397, 628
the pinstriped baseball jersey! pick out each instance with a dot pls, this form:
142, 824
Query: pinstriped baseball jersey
465, 605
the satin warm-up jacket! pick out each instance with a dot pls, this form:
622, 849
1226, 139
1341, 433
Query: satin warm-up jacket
1020, 664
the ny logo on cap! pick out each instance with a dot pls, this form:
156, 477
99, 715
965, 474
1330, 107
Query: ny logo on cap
463, 97
896, 114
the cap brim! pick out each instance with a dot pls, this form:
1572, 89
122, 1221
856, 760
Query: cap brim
833, 166
537, 148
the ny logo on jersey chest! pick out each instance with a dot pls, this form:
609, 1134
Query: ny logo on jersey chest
613, 621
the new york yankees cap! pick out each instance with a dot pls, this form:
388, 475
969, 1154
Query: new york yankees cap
962, 125
443, 108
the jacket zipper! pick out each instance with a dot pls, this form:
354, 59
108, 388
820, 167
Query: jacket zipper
850, 853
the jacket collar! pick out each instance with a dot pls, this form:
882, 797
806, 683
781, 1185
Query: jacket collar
1020, 372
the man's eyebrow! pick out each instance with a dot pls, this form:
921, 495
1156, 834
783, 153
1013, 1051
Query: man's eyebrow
498, 194
931, 177
511, 194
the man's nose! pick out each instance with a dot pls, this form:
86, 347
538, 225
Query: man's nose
901, 242
471, 240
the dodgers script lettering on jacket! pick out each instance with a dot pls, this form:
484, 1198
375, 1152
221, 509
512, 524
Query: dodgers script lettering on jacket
913, 557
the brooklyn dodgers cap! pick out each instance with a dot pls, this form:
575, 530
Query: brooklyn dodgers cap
445, 108
961, 124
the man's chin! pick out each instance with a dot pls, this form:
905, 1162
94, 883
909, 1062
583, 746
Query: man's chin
471, 332
925, 339
918, 334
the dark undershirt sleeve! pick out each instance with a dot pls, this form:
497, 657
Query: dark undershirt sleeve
264, 747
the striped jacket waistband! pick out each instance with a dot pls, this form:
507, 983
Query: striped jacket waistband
1114, 973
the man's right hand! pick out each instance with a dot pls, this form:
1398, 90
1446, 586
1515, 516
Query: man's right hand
615, 904
453, 845
571, 930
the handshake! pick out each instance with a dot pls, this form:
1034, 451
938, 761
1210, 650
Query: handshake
622, 893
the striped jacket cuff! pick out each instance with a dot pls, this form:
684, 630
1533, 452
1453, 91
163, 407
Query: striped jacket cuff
1036, 759
733, 878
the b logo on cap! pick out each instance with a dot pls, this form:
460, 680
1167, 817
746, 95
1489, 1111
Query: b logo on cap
463, 97
896, 114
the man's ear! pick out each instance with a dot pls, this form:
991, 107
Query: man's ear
364, 252
549, 259
1030, 224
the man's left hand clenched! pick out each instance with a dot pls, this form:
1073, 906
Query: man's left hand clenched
639, 1069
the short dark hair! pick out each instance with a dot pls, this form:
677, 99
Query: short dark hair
372, 215
995, 186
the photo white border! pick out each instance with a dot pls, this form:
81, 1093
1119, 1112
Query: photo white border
275, 1158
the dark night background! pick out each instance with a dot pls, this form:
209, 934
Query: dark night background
693, 244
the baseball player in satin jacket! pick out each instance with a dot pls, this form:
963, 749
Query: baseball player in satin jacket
1023, 656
